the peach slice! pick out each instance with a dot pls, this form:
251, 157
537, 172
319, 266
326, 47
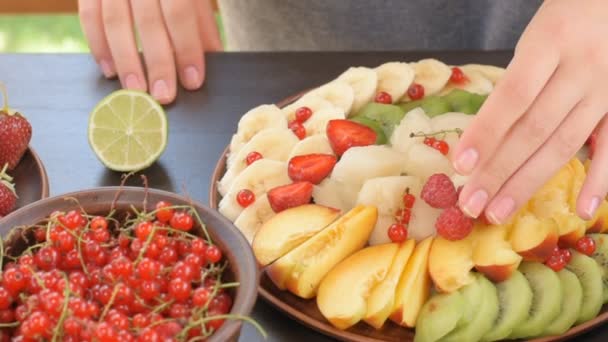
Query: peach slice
342, 296
381, 300
450, 263
302, 269
290, 228
493, 255
414, 286
534, 238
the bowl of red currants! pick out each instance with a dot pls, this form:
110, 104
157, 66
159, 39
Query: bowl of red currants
123, 264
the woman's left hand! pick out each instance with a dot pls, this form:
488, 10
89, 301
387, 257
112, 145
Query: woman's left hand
552, 96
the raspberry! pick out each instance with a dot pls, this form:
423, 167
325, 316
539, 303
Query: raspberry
439, 191
453, 225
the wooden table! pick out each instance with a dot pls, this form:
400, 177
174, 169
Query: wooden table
56, 92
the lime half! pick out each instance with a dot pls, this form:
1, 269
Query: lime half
128, 130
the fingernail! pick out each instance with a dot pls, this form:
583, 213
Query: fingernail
160, 90
132, 82
475, 204
593, 205
499, 212
107, 69
465, 162
191, 77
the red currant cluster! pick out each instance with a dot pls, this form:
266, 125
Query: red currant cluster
458, 77
297, 125
562, 256
439, 145
397, 231
99, 279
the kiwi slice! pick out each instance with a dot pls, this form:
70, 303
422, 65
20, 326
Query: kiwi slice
477, 101
464, 102
439, 316
515, 299
546, 300
572, 298
408, 106
380, 136
590, 276
601, 257
483, 310
435, 105
388, 116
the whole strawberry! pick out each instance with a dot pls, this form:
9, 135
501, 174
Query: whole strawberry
8, 197
15, 134
439, 191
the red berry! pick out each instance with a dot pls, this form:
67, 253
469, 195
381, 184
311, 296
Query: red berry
99, 222
163, 213
408, 200
199, 247
201, 296
453, 224
344, 134
180, 289
290, 195
183, 271
429, 141
221, 303
65, 241
383, 97
71, 326
311, 167
148, 269
585, 245
149, 289
104, 332
183, 221
245, 198
5, 299
441, 146
458, 76
415, 91
303, 114
168, 256
397, 232
298, 129
143, 230
140, 321
73, 220
403, 216
566, 254
439, 191
213, 254
15, 135
253, 157
14, 280
556, 261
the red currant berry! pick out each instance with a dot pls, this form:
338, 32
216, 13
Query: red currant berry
408, 200
14, 280
403, 216
201, 296
213, 254
253, 157
441, 146
245, 198
397, 233
221, 303
567, 255
143, 230
149, 289
303, 114
73, 220
556, 262
415, 91
429, 141
458, 76
163, 211
5, 299
182, 221
585, 245
298, 129
148, 269
199, 247
168, 256
99, 222
383, 97
180, 289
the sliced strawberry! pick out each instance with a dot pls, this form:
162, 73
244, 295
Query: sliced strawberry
289, 196
311, 167
344, 134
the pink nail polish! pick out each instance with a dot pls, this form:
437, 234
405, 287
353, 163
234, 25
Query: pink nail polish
160, 90
465, 162
593, 205
501, 210
191, 77
107, 69
132, 82
475, 204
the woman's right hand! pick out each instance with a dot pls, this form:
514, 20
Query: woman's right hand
173, 36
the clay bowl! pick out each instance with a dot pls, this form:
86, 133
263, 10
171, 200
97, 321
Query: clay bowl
31, 181
307, 313
242, 266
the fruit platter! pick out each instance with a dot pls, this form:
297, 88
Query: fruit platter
348, 198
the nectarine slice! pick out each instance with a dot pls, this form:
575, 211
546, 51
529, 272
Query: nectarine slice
534, 238
493, 255
450, 263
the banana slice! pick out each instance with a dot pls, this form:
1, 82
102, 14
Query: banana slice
254, 121
359, 164
415, 121
476, 83
273, 144
394, 78
259, 177
422, 222
424, 161
335, 194
253, 217
364, 82
491, 72
339, 93
451, 122
386, 194
317, 123
313, 144
432, 74
313, 102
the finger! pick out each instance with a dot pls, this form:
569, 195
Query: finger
207, 26
526, 75
121, 39
91, 21
596, 184
181, 21
557, 99
157, 49
553, 155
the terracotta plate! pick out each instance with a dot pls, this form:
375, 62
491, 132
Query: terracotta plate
307, 313
31, 181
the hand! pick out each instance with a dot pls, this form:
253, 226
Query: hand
173, 36
552, 96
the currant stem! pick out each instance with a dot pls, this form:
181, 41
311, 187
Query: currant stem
434, 134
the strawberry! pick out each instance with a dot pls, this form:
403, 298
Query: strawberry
344, 134
311, 167
8, 198
15, 135
289, 196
